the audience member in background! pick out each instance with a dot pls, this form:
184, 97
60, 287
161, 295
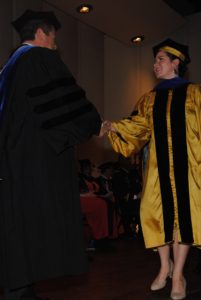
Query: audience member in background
122, 189
106, 193
93, 208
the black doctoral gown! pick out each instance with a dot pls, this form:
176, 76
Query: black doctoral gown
45, 115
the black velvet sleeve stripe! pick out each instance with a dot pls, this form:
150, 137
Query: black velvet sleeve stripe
50, 86
67, 117
59, 102
121, 138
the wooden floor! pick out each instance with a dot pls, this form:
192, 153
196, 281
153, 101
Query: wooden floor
123, 275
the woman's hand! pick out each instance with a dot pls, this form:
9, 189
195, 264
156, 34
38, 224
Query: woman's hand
106, 127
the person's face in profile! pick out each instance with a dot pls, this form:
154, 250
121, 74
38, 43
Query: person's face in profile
164, 67
46, 40
50, 40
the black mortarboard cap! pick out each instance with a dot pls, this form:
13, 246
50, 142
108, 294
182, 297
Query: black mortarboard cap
172, 47
30, 15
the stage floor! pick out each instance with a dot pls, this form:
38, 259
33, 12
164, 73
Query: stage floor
123, 275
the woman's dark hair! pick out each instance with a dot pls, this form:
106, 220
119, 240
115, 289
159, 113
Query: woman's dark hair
28, 31
182, 67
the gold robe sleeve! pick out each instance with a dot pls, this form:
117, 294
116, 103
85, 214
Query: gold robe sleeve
132, 133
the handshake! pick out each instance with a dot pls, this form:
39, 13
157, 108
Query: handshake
106, 127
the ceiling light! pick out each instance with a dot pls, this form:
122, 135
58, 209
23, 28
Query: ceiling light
84, 8
137, 39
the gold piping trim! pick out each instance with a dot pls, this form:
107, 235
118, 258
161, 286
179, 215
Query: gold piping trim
173, 51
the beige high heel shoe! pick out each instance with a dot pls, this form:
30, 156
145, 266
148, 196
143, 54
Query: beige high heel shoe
179, 296
158, 285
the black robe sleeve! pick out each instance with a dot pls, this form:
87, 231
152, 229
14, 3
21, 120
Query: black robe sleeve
58, 105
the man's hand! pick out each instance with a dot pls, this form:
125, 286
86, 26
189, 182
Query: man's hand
106, 127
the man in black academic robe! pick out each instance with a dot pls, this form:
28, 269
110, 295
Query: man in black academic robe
45, 115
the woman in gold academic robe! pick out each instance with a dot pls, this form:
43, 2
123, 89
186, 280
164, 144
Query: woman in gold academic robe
169, 118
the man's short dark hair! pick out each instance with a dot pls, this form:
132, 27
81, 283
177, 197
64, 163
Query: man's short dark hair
29, 30
28, 23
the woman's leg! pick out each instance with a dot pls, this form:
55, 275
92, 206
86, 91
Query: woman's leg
165, 269
180, 252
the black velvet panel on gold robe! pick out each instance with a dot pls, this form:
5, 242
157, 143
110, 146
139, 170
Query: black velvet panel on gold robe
180, 161
45, 117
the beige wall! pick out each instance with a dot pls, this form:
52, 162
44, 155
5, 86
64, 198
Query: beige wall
67, 39
121, 79
91, 78
191, 34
